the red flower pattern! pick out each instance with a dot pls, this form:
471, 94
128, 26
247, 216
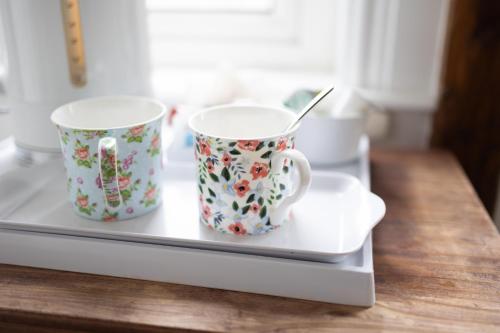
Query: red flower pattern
123, 182
82, 153
282, 144
241, 169
241, 187
210, 166
83, 201
155, 142
136, 131
226, 159
150, 193
111, 159
250, 145
255, 208
259, 170
204, 148
237, 228
206, 212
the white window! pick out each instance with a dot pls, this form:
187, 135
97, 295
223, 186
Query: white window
294, 34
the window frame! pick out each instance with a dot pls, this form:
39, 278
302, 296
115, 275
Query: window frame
295, 35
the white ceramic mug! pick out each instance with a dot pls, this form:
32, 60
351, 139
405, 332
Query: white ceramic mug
112, 154
245, 163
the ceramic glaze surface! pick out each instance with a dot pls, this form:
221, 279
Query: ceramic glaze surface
120, 180
238, 191
243, 122
245, 168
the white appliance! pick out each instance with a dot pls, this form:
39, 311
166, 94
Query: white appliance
62, 50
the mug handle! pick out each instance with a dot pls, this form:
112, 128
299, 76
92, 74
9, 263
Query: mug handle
304, 177
108, 173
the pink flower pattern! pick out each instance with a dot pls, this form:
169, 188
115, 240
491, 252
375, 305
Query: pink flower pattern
123, 173
231, 175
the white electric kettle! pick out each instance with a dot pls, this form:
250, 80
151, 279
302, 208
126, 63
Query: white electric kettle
62, 50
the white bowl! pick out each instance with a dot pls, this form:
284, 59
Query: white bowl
330, 140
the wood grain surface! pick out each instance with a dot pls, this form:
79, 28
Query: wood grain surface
468, 117
437, 267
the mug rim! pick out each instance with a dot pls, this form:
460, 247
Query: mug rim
228, 106
61, 108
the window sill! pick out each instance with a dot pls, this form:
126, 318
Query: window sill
193, 85
199, 85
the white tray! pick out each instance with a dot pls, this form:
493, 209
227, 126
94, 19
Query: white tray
29, 243
330, 222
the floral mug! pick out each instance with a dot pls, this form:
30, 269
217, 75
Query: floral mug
112, 154
245, 167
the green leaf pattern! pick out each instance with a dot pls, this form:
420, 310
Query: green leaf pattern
137, 184
237, 190
82, 155
136, 134
83, 204
154, 145
150, 195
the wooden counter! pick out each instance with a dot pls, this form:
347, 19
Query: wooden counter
437, 268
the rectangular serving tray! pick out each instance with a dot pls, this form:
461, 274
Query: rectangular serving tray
51, 244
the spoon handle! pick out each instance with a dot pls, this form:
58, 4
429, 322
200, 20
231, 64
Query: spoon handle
322, 94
